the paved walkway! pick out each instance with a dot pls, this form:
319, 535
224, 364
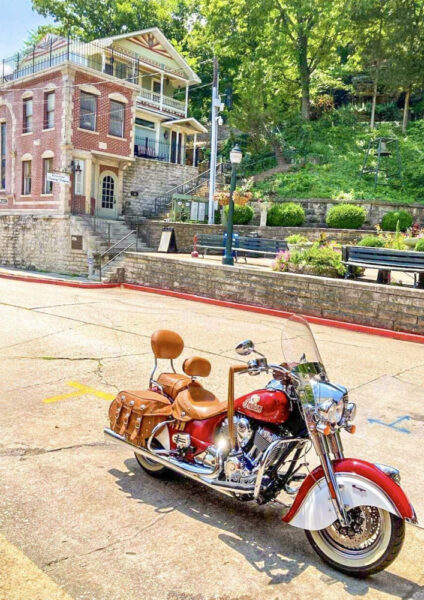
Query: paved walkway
85, 515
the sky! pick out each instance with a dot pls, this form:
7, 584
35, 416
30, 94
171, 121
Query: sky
16, 20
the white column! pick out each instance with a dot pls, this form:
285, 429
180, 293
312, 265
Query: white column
87, 190
161, 91
186, 101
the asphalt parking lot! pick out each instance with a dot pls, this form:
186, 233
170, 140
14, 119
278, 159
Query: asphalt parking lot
78, 514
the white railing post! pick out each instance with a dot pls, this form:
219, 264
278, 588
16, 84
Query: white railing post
161, 91
186, 101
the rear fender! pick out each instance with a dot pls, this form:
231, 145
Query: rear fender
361, 484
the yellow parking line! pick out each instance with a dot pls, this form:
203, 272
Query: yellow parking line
21, 579
82, 391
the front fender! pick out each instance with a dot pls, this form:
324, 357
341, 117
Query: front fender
361, 484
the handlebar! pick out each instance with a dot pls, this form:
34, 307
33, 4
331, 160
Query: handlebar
257, 366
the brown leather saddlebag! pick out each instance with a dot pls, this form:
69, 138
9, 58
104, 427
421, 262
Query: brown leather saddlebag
135, 414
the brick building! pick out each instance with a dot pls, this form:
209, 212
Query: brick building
91, 111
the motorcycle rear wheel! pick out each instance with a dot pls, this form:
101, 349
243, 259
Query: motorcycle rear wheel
368, 547
152, 467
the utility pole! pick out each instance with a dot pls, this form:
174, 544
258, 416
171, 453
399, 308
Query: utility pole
216, 102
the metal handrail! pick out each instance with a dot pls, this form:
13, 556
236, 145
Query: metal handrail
165, 200
117, 243
114, 258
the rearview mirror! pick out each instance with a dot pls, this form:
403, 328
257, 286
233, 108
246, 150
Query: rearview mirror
245, 348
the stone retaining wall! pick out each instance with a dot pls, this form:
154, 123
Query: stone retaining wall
184, 233
149, 179
388, 307
42, 243
316, 210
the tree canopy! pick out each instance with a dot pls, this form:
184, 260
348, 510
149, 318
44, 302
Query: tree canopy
278, 58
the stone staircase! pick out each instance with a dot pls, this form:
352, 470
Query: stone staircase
282, 166
197, 186
108, 239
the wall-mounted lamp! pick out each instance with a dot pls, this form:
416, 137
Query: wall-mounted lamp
75, 167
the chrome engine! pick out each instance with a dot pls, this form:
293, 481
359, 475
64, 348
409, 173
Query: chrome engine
241, 467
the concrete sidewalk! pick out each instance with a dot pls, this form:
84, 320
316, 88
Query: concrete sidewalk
95, 524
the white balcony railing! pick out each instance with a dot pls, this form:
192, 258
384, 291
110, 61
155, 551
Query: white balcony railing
168, 104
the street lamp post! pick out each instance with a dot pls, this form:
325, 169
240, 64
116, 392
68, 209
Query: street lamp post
235, 158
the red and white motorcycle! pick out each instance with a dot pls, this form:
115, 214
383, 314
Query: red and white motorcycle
254, 447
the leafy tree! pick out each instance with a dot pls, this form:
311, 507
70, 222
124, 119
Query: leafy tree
90, 19
407, 58
371, 20
292, 39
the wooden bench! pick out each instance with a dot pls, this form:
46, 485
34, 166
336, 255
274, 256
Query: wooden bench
205, 241
385, 260
259, 246
242, 246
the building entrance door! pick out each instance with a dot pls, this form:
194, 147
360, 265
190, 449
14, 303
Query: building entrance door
108, 191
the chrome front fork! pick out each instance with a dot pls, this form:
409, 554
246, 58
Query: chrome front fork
324, 446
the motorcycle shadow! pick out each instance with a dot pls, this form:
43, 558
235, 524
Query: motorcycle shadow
271, 547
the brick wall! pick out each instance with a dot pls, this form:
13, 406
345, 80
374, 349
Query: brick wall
184, 233
101, 139
42, 243
33, 144
151, 178
358, 302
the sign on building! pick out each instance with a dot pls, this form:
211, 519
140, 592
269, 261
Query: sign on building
59, 178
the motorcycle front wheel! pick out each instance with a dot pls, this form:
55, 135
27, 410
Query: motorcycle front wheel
370, 544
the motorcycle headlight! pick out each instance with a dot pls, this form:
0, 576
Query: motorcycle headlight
331, 411
350, 411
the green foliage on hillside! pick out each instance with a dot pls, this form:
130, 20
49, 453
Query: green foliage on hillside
328, 156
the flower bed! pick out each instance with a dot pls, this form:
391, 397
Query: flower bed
323, 259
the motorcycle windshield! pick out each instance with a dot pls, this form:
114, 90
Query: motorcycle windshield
303, 359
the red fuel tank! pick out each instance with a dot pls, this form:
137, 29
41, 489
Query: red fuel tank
271, 406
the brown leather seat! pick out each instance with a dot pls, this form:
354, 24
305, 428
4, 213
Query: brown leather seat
166, 344
173, 383
195, 402
195, 366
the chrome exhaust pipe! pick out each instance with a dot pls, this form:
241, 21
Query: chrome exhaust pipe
198, 473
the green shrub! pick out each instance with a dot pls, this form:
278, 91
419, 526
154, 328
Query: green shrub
286, 214
345, 216
390, 219
243, 214
297, 238
372, 240
419, 247
322, 260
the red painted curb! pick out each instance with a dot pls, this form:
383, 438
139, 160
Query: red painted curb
388, 333
76, 284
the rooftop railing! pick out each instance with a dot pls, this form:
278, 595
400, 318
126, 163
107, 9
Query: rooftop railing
95, 55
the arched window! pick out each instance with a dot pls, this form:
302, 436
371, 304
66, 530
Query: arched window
108, 192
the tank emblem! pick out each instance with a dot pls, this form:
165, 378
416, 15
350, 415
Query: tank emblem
252, 404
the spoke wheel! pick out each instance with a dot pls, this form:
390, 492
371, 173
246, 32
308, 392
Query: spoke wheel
369, 544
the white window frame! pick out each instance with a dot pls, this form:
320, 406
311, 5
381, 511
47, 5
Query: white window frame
122, 123
26, 181
47, 185
94, 114
48, 111
27, 115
